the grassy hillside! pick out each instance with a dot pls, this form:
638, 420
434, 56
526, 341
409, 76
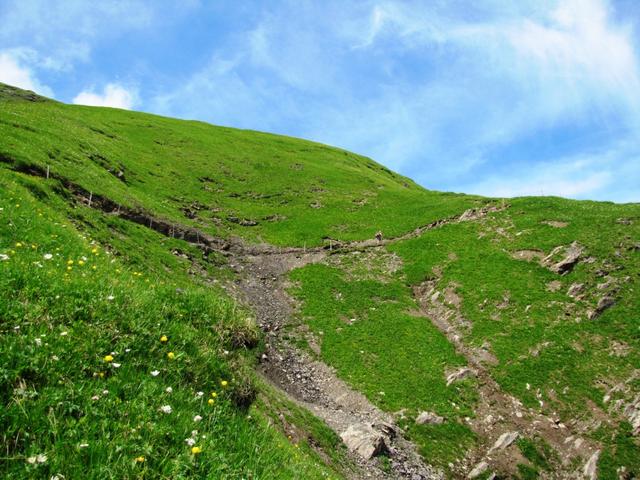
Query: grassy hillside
114, 304
262, 187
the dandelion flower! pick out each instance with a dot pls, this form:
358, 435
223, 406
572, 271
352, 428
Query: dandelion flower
196, 450
18, 244
171, 355
164, 339
94, 251
214, 394
93, 267
166, 409
211, 401
69, 268
224, 384
197, 418
155, 373
69, 262
108, 358
47, 256
139, 459
81, 262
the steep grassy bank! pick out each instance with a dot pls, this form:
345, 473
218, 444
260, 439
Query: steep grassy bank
123, 366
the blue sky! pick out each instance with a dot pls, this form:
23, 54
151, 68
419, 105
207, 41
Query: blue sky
491, 97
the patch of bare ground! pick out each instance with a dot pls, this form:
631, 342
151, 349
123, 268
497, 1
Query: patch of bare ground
366, 430
499, 417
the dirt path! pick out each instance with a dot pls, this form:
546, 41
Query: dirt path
312, 384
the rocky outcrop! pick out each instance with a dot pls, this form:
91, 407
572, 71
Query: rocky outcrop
569, 256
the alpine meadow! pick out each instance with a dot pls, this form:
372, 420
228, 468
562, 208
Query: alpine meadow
182, 300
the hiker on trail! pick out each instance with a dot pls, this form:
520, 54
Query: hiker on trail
379, 235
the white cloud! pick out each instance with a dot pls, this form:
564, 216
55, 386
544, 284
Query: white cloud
113, 95
14, 71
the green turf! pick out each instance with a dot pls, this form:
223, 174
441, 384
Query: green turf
287, 192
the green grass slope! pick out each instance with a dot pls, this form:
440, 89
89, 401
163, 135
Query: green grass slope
79, 285
223, 181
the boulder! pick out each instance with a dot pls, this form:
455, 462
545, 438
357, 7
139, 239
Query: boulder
429, 418
504, 441
363, 440
570, 256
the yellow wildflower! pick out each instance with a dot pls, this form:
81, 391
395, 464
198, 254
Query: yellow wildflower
94, 251
18, 244
164, 339
224, 384
94, 267
140, 459
171, 355
69, 262
210, 401
196, 450
80, 262
108, 358
214, 394
69, 267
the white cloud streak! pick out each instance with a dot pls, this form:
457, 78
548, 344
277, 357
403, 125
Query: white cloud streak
113, 95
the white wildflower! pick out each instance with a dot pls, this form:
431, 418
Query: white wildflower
155, 373
38, 342
55, 358
105, 392
166, 409
110, 297
3, 257
95, 398
197, 418
199, 394
190, 441
127, 350
41, 458
47, 256
64, 334
116, 365
83, 445
168, 390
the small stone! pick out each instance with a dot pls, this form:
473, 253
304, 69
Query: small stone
461, 374
590, 470
429, 418
504, 441
478, 470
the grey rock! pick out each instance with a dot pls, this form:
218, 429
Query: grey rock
363, 440
461, 374
478, 470
429, 418
570, 256
590, 469
575, 289
504, 441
